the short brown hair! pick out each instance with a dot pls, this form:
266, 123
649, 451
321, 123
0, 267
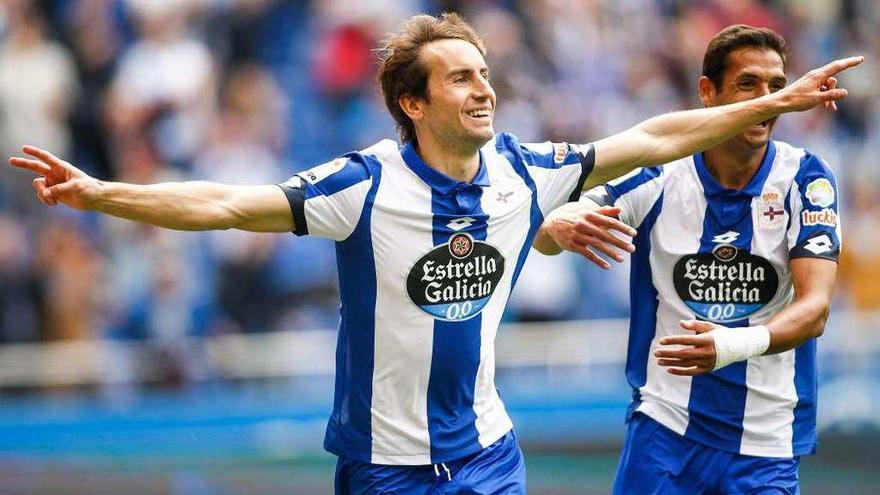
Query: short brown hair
401, 71
735, 37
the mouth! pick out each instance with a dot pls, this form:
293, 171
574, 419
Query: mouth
763, 125
482, 115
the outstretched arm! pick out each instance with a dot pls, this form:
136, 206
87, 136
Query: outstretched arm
675, 135
813, 280
173, 205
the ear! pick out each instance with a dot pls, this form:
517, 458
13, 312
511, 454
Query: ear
412, 106
707, 91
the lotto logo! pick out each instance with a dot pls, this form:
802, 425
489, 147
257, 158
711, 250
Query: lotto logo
726, 238
461, 223
819, 245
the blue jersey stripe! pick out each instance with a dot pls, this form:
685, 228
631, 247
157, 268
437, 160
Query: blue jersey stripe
643, 294
455, 356
349, 431
718, 400
804, 427
535, 215
643, 176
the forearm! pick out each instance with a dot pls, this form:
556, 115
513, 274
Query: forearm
173, 205
676, 135
803, 320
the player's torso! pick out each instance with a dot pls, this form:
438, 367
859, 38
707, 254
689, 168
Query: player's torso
448, 255
728, 267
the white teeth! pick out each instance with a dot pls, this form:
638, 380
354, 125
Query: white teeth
479, 113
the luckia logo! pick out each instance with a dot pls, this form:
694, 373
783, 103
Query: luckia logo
454, 281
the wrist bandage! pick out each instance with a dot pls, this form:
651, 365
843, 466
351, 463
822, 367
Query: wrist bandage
738, 344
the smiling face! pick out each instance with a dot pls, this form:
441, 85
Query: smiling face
460, 105
751, 72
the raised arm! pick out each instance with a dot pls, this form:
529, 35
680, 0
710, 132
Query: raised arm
173, 205
675, 135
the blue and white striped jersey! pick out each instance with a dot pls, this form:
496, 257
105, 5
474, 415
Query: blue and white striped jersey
706, 252
426, 265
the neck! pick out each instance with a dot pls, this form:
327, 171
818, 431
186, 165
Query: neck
733, 166
453, 161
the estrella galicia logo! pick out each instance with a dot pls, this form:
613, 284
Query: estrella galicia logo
454, 281
725, 285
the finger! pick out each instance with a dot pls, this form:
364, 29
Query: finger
611, 211
28, 164
593, 257
691, 371
833, 94
45, 156
58, 190
698, 326
839, 65
604, 220
606, 249
692, 340
679, 363
40, 188
596, 232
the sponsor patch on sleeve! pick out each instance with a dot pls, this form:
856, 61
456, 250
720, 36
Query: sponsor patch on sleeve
820, 192
321, 172
560, 151
825, 216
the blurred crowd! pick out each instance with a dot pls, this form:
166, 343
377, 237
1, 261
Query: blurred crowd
253, 91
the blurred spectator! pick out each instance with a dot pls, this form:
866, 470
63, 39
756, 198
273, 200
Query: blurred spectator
860, 259
164, 85
37, 83
242, 150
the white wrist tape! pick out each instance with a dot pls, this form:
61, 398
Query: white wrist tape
739, 344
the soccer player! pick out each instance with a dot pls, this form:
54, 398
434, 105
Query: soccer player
738, 246
430, 238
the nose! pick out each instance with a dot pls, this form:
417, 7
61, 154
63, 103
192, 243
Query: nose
483, 89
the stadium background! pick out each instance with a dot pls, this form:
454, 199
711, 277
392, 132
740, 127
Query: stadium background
147, 361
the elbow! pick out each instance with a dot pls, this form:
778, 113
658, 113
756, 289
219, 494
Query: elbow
824, 309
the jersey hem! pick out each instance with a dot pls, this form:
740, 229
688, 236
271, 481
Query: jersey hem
654, 411
387, 459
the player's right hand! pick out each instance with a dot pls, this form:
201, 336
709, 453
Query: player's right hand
582, 229
819, 86
59, 181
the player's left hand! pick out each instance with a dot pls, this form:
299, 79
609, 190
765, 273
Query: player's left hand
694, 354
583, 228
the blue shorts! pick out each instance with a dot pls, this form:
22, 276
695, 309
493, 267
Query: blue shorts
656, 460
496, 470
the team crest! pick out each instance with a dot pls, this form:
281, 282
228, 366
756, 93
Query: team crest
769, 209
461, 245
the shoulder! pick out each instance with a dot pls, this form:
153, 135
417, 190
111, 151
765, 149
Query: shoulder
351, 168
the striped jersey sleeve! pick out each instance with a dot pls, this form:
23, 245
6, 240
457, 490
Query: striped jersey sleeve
558, 170
813, 204
634, 193
327, 200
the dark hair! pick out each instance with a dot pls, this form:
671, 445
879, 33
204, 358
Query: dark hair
732, 38
401, 71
